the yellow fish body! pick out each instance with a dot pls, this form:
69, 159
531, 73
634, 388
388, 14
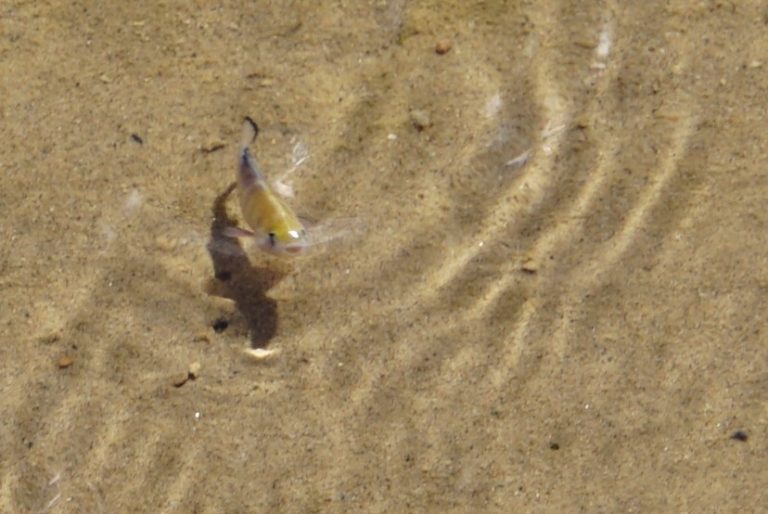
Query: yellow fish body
274, 225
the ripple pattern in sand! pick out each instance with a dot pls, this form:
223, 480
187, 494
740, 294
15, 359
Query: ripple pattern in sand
522, 327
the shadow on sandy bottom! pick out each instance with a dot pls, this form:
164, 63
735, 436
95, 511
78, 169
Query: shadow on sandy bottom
237, 279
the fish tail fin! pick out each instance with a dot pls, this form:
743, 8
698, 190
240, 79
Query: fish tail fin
248, 172
250, 131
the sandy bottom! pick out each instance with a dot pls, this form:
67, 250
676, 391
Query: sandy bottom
558, 304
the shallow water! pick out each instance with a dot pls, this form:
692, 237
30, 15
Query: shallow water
558, 303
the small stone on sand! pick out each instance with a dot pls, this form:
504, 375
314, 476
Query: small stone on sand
420, 119
530, 265
194, 370
65, 362
165, 242
202, 337
50, 338
180, 379
443, 47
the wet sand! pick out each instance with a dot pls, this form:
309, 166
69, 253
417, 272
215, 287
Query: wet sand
558, 305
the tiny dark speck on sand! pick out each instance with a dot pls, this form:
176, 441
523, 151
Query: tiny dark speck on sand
220, 325
740, 435
137, 138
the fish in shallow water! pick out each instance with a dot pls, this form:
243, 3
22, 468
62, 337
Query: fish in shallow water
274, 226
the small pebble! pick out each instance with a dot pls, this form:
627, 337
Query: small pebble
420, 119
192, 373
180, 379
740, 435
194, 370
220, 325
202, 337
530, 265
65, 362
442, 47
50, 338
165, 243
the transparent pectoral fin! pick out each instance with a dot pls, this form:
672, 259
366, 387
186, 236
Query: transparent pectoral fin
236, 232
339, 230
237, 242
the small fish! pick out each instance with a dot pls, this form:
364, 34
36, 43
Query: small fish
274, 226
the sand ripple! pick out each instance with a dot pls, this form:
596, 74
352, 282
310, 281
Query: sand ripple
557, 305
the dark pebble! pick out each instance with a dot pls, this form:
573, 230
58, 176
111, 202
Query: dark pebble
220, 325
740, 435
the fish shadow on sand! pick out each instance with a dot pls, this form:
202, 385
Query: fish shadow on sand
237, 279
